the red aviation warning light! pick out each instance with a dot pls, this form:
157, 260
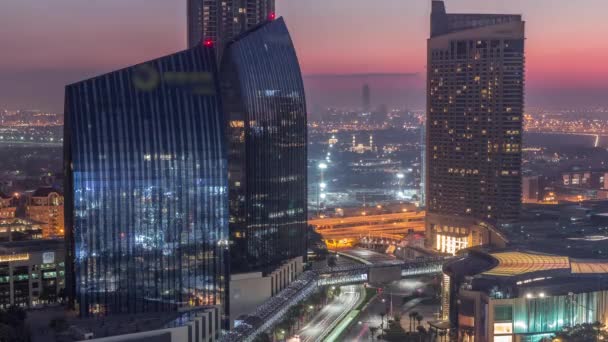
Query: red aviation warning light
272, 16
208, 42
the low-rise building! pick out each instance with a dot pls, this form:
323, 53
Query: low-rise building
249, 290
522, 295
45, 205
32, 273
18, 229
7, 206
200, 325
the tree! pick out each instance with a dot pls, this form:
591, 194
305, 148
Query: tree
419, 318
263, 337
394, 332
397, 317
373, 331
58, 324
332, 261
583, 333
442, 334
412, 316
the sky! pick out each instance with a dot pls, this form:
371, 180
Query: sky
341, 44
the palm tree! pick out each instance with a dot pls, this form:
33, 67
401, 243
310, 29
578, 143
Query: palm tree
412, 315
419, 318
397, 318
442, 333
373, 330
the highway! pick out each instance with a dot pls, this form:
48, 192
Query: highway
323, 322
393, 226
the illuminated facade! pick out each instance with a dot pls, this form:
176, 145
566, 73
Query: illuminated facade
146, 188
45, 205
523, 296
475, 95
32, 273
7, 207
264, 101
18, 229
219, 21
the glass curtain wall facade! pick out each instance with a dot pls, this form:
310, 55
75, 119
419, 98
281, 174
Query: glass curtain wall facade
146, 190
266, 109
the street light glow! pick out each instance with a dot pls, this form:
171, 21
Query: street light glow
322, 166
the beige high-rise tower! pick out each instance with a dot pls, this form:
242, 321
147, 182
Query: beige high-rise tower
219, 21
475, 99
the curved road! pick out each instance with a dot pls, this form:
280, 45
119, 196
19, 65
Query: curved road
324, 320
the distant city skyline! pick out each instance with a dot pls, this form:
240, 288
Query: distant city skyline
72, 40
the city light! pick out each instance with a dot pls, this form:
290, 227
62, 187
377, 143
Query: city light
322, 166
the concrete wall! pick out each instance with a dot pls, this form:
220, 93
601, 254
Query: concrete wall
197, 330
247, 291
250, 290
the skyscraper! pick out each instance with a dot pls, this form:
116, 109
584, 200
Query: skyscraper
219, 21
475, 104
366, 98
146, 188
263, 95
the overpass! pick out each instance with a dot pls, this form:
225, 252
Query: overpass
273, 311
393, 226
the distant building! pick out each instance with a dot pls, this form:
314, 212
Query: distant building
264, 101
366, 98
146, 188
18, 229
45, 206
475, 90
522, 295
219, 21
586, 179
423, 165
7, 206
32, 273
531, 189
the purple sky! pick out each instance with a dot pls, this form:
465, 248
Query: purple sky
46, 44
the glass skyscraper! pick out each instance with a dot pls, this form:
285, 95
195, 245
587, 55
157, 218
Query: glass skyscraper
475, 100
266, 110
146, 188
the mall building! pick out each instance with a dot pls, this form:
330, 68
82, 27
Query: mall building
521, 295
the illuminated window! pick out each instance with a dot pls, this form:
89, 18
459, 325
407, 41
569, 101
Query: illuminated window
503, 328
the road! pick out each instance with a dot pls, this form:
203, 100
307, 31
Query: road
390, 303
324, 320
393, 226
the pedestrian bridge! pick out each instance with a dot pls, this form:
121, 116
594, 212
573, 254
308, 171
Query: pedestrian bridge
382, 272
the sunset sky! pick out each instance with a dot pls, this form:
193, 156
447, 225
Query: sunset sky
46, 44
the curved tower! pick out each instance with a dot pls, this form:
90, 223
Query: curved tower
266, 109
